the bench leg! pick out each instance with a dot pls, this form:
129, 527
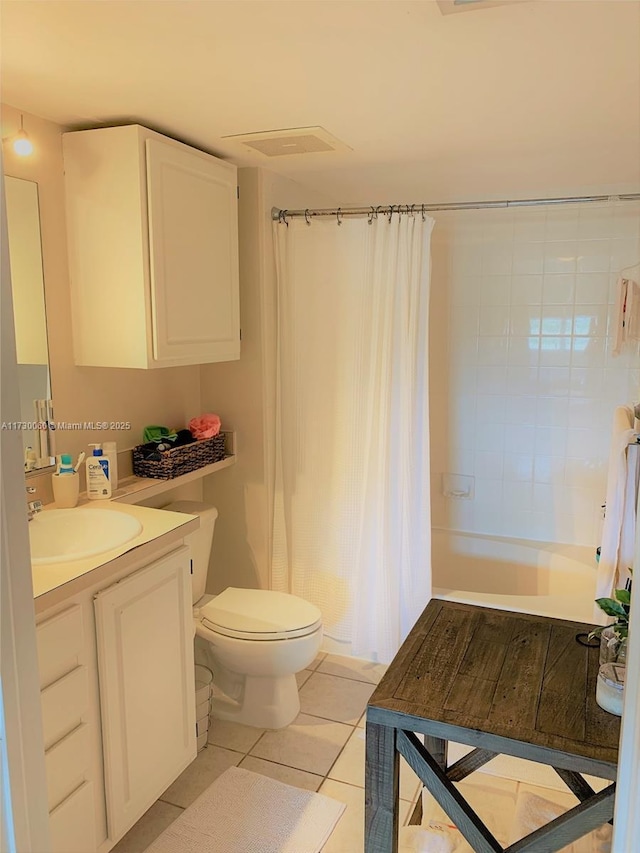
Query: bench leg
438, 749
382, 773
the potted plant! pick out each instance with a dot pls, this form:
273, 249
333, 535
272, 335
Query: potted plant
613, 637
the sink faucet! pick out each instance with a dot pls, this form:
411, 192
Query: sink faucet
32, 506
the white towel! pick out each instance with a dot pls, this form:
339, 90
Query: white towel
626, 551
618, 315
632, 311
619, 521
532, 812
626, 314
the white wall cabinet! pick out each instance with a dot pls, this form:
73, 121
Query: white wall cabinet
153, 250
144, 631
118, 704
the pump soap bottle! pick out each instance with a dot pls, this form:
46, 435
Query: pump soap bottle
98, 475
110, 450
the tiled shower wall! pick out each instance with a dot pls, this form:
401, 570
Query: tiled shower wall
523, 380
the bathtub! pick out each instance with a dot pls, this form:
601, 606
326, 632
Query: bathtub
543, 578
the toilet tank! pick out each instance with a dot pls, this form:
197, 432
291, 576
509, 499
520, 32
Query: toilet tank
200, 542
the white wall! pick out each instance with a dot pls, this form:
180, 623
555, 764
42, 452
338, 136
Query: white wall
233, 390
523, 381
243, 392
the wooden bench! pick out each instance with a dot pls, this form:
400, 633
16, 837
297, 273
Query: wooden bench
501, 682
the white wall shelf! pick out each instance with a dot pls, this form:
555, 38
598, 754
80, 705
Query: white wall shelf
133, 490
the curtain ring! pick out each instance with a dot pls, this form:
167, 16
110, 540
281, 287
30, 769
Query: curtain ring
307, 217
283, 213
390, 213
339, 216
424, 218
411, 211
372, 213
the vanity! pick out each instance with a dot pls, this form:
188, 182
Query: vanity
115, 649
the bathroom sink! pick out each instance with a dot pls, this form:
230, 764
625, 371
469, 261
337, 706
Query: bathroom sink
61, 535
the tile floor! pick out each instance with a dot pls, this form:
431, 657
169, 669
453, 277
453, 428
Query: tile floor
323, 750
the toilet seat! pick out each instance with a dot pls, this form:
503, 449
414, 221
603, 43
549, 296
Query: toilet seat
258, 614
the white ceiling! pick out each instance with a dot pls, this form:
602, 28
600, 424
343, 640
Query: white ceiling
516, 99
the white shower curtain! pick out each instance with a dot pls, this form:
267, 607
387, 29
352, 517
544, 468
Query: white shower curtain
351, 527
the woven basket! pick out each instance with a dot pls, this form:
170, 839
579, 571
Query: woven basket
180, 460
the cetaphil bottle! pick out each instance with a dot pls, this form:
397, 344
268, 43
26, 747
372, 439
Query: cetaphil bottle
98, 475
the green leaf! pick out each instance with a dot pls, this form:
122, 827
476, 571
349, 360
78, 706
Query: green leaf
612, 608
623, 596
596, 632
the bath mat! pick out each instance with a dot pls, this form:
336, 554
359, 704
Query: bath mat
244, 812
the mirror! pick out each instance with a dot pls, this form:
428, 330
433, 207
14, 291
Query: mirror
27, 284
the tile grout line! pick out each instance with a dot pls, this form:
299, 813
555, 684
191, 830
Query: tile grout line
330, 720
353, 726
338, 756
280, 764
373, 684
166, 803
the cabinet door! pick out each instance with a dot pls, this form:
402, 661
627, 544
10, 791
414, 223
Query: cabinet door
144, 632
193, 236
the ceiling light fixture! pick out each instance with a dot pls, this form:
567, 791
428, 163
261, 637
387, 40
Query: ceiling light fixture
22, 145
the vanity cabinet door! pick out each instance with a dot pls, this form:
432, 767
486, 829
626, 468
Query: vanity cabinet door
193, 239
144, 631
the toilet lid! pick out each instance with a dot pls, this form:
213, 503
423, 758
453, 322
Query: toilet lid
260, 614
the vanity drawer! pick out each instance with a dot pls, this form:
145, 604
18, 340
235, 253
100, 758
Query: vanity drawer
66, 764
72, 823
60, 640
64, 704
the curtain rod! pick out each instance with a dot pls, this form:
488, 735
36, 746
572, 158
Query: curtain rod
387, 210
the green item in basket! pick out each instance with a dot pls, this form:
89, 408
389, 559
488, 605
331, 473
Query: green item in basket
158, 434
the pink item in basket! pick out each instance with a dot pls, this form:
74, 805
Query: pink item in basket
204, 426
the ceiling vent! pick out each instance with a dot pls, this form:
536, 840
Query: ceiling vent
293, 140
449, 7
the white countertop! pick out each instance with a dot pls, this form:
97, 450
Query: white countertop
159, 527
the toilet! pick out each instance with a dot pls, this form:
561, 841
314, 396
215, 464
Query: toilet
253, 640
